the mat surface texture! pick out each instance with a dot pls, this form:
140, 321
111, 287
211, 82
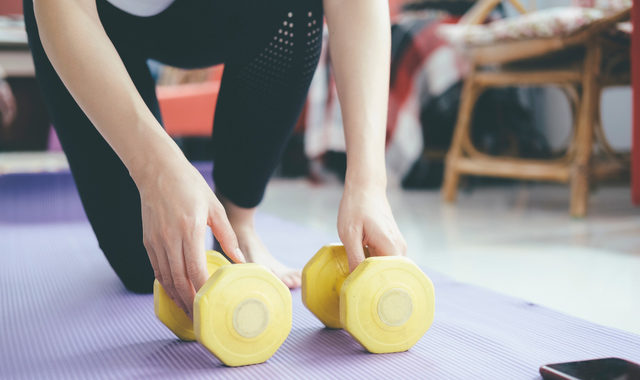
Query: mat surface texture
65, 315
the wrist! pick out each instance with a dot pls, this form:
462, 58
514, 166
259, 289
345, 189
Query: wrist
366, 166
156, 153
366, 178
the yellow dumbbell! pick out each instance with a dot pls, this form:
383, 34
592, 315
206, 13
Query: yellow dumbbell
386, 304
242, 314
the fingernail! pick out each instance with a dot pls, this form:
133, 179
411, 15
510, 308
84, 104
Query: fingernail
239, 255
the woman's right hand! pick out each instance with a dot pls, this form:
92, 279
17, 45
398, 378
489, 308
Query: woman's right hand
177, 206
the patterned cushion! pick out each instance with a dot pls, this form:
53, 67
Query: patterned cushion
607, 6
552, 22
610, 7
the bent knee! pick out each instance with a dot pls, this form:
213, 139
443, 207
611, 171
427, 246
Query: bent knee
138, 285
132, 267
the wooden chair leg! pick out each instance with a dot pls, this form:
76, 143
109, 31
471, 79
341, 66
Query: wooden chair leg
579, 192
450, 184
451, 174
581, 164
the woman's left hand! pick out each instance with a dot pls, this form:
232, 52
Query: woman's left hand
365, 219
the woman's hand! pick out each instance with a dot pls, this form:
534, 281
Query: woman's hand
365, 219
7, 103
360, 44
177, 206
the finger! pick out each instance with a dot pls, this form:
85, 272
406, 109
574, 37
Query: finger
12, 108
373, 252
195, 258
383, 245
295, 280
402, 245
152, 259
181, 282
367, 251
355, 251
224, 233
167, 277
287, 282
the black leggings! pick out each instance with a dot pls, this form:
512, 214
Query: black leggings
270, 49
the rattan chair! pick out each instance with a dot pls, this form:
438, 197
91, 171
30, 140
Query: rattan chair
580, 64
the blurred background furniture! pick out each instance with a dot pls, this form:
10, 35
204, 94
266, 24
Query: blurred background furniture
423, 97
23, 141
635, 56
579, 53
426, 84
426, 79
15, 56
29, 131
187, 100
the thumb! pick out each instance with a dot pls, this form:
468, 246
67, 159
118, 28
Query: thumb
223, 232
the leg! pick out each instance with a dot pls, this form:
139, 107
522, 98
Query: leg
264, 87
465, 112
583, 140
109, 195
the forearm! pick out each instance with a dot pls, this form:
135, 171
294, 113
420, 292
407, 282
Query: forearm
360, 43
91, 69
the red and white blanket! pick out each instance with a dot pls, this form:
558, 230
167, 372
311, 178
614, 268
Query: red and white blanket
423, 67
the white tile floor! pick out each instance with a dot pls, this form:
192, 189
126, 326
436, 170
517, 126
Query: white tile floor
516, 239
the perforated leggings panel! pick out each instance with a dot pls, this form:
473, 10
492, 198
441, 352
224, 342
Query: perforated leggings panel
266, 79
270, 50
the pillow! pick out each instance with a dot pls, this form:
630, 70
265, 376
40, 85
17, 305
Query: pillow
453, 7
607, 6
552, 22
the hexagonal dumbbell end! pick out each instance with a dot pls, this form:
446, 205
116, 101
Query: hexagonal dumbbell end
170, 314
322, 279
242, 314
387, 304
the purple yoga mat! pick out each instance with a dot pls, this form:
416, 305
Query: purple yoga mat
65, 315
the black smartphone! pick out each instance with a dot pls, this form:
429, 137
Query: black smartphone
596, 369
